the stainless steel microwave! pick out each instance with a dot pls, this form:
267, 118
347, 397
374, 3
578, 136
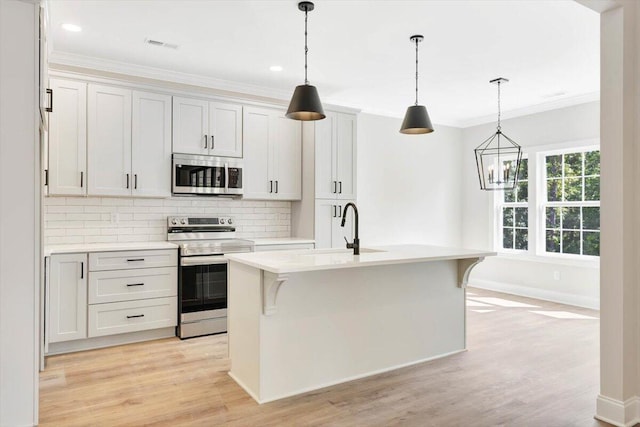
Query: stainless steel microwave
206, 175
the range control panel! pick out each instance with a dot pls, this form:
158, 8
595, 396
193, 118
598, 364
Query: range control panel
209, 221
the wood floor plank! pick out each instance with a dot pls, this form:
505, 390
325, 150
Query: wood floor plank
521, 369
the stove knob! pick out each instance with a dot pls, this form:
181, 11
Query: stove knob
174, 221
229, 221
221, 220
183, 221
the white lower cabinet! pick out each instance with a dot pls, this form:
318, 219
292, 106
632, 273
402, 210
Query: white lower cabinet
109, 293
131, 291
328, 231
132, 316
66, 309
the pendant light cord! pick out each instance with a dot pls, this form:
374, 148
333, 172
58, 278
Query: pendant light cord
306, 49
417, 71
499, 127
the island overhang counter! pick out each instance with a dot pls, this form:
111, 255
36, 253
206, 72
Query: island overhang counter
305, 319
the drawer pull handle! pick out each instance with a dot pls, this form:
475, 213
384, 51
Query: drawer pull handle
135, 260
135, 284
137, 315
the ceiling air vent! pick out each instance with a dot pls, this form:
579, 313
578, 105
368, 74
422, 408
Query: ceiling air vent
153, 42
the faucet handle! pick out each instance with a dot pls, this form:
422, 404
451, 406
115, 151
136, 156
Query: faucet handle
349, 245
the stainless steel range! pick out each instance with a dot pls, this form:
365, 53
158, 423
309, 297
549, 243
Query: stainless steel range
202, 271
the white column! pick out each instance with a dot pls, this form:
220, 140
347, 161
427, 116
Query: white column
618, 402
19, 213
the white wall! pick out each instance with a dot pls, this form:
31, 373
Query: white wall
110, 219
578, 284
408, 185
19, 214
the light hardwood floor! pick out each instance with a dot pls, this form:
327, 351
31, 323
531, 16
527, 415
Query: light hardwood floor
522, 369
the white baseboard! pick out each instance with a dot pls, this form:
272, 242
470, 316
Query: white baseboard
543, 294
618, 413
110, 340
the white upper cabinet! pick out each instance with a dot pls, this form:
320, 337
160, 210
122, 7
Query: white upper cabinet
288, 158
67, 164
109, 139
273, 155
151, 145
207, 128
129, 142
190, 126
225, 129
335, 149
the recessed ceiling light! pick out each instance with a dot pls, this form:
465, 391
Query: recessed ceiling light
72, 27
275, 68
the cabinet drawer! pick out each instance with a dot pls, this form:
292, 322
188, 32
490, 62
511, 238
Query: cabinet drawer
131, 316
126, 285
121, 260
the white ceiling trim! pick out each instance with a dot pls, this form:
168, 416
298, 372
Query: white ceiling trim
532, 109
107, 65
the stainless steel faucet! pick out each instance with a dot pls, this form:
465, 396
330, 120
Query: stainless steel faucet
356, 241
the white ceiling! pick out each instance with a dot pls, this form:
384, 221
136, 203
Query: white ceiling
359, 51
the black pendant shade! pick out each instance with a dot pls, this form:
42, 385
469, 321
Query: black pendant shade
416, 121
305, 104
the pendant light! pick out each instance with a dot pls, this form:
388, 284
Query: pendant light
416, 120
305, 104
498, 157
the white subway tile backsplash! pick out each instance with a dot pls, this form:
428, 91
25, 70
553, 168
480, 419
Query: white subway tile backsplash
110, 219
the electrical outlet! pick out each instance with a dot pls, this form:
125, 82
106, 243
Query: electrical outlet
556, 275
114, 218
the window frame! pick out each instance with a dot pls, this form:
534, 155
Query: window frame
536, 174
544, 204
501, 204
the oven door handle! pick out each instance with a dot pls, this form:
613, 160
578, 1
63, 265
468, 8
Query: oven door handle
203, 260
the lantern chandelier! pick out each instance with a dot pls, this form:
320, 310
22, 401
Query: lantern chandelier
498, 157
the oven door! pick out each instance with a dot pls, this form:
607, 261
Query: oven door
203, 286
198, 175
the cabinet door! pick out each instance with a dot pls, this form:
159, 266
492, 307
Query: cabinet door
109, 142
287, 158
151, 145
190, 126
225, 129
67, 298
326, 182
325, 213
345, 134
68, 139
258, 131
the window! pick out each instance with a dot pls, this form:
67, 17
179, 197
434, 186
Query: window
572, 203
515, 211
555, 208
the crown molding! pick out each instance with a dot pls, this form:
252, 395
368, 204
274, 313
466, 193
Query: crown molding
110, 66
532, 109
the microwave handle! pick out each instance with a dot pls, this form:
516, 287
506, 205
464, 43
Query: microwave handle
226, 176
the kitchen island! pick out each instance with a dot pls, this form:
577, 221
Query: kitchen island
305, 319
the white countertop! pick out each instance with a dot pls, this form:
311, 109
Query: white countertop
106, 247
281, 241
280, 262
